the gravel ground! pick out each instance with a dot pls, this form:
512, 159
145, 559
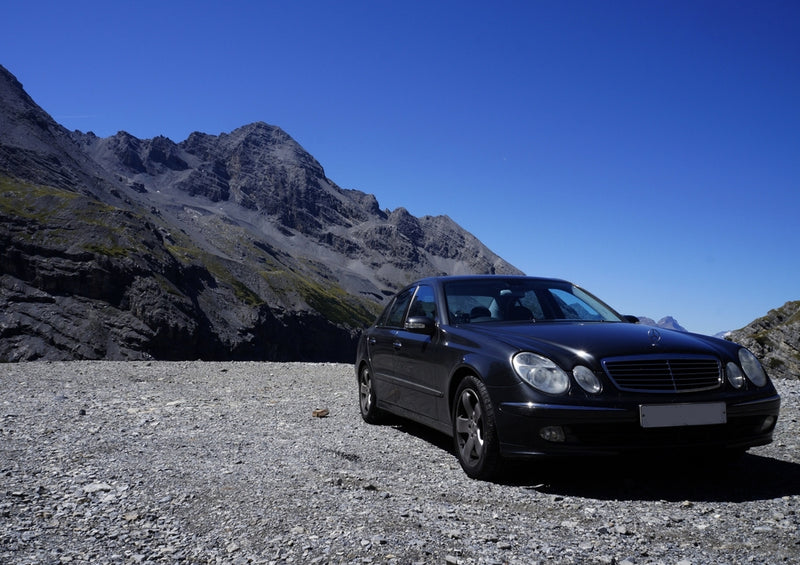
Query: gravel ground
150, 462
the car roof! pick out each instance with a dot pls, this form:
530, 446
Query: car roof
452, 278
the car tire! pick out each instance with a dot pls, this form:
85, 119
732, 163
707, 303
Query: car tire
474, 430
367, 400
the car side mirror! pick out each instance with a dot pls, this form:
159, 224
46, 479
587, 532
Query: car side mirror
420, 324
631, 319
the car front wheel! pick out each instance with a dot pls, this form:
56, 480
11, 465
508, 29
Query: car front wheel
474, 430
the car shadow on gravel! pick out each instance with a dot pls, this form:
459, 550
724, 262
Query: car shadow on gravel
636, 477
751, 477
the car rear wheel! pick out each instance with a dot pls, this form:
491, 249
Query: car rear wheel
474, 430
366, 397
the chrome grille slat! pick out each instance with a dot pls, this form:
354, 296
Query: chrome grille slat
664, 374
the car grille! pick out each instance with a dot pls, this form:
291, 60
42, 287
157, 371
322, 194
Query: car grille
664, 374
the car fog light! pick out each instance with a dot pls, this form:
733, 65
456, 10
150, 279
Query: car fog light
768, 422
553, 433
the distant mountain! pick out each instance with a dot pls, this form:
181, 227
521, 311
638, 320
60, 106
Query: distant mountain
667, 322
234, 246
775, 339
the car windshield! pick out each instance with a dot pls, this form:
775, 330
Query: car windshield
503, 300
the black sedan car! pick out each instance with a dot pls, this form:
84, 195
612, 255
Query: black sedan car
516, 367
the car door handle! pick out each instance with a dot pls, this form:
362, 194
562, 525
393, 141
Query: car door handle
397, 344
372, 341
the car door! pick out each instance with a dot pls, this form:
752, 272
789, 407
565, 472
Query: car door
417, 366
382, 343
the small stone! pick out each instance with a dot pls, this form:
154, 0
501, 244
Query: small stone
96, 487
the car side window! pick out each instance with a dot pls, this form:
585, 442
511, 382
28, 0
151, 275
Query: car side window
424, 303
397, 310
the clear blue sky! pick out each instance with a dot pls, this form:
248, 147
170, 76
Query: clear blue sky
647, 150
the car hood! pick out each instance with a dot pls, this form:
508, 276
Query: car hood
597, 340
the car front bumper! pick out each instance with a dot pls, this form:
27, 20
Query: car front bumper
606, 430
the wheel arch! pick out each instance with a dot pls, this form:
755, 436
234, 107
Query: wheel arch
492, 372
459, 374
360, 365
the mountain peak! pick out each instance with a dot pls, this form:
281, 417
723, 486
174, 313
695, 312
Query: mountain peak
667, 322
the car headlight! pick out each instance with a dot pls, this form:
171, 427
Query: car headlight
735, 375
752, 368
587, 380
541, 373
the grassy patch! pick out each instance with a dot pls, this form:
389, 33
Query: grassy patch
330, 301
222, 274
794, 318
107, 250
762, 338
24, 200
335, 305
774, 363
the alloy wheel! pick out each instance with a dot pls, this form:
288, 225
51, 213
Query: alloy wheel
470, 427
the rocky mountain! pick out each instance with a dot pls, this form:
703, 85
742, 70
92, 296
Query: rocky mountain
775, 339
234, 246
667, 322
230, 246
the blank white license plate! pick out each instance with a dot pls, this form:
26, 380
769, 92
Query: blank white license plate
671, 415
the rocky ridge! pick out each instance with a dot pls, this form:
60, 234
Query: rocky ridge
775, 339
